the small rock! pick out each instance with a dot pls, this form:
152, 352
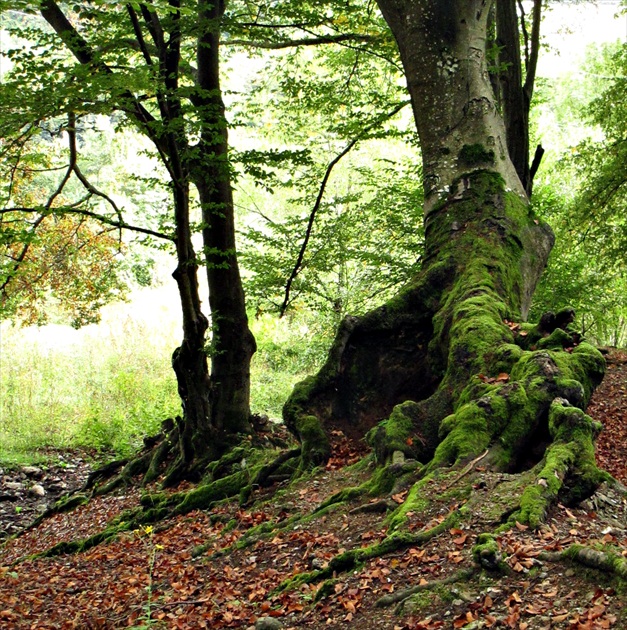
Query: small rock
569, 572
14, 485
318, 563
32, 471
398, 457
268, 623
38, 489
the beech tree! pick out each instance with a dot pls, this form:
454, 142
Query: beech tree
158, 65
449, 370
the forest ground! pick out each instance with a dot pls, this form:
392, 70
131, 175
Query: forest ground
193, 571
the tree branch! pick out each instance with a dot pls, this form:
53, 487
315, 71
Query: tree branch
77, 45
122, 225
534, 42
312, 215
306, 41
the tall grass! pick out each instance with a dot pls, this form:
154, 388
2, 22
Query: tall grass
101, 387
106, 386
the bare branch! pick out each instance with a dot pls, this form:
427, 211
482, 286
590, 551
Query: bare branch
312, 215
71, 209
306, 41
141, 42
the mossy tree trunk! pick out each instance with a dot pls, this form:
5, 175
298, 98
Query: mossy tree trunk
445, 369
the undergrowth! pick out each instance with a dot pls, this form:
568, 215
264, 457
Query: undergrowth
105, 387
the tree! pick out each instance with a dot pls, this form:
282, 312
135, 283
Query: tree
449, 369
158, 65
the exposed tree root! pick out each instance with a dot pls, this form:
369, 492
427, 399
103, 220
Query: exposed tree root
605, 561
401, 596
235, 478
348, 560
568, 470
147, 463
466, 469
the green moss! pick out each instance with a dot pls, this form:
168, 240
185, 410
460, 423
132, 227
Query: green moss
68, 503
468, 435
568, 470
316, 448
414, 502
476, 155
393, 434
78, 546
203, 497
486, 552
557, 339
506, 356
423, 602
380, 483
608, 560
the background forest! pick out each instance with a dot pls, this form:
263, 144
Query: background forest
328, 198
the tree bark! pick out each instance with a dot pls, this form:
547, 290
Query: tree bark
446, 369
215, 403
233, 344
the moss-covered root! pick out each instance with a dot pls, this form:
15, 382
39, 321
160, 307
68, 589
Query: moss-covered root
487, 554
568, 470
78, 546
382, 482
411, 429
349, 560
606, 561
401, 596
66, 503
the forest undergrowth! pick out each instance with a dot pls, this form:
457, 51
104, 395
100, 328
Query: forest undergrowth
283, 558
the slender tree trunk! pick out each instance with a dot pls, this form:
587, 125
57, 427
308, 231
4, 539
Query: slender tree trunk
196, 434
215, 405
448, 368
233, 344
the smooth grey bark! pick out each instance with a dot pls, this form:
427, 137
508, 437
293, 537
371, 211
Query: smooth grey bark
412, 358
443, 51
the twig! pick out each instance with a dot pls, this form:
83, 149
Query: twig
467, 469
312, 216
184, 602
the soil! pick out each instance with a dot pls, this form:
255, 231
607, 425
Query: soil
211, 570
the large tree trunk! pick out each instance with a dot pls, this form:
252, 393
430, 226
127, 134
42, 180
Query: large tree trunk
442, 364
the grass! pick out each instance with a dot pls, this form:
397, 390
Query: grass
104, 387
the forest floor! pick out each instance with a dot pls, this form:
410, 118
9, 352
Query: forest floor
194, 571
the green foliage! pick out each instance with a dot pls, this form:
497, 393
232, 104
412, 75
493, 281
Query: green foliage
581, 193
366, 242
580, 275
102, 392
287, 350
106, 387
335, 112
